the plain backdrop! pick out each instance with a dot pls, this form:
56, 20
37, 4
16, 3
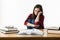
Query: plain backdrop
15, 12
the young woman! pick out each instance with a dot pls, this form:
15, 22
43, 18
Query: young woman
36, 19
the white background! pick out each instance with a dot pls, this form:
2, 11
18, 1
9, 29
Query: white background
15, 12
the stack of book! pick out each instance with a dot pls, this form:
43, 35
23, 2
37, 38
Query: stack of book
8, 30
55, 30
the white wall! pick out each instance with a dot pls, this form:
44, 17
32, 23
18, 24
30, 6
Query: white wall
15, 12
0, 12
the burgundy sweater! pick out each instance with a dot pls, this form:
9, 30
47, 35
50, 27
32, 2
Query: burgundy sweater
41, 21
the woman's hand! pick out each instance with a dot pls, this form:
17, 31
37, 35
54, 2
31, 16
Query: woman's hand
36, 26
39, 13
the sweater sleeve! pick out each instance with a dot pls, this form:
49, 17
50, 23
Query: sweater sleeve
26, 21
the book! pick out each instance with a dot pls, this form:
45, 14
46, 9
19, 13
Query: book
54, 31
8, 30
31, 32
53, 28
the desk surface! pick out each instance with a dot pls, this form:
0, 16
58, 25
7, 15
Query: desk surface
16, 35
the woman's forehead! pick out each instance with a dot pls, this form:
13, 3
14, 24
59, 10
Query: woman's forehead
37, 9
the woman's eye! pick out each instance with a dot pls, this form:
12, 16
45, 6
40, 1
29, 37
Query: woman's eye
38, 11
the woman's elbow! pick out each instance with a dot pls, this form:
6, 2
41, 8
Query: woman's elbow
25, 23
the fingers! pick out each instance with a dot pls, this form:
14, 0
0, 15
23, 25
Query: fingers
40, 12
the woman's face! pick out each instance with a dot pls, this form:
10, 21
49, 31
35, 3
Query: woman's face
36, 11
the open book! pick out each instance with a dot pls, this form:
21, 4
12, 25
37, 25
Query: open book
31, 32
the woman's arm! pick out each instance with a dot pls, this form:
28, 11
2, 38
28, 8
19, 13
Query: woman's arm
37, 18
32, 25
